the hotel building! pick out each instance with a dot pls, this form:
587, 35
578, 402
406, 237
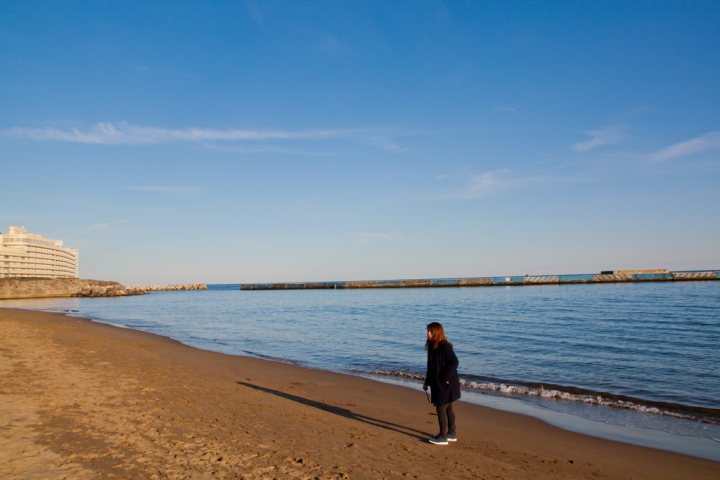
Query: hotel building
28, 255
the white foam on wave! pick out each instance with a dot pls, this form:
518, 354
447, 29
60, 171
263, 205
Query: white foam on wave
384, 373
599, 400
554, 394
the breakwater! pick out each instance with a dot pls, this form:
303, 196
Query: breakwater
170, 288
615, 276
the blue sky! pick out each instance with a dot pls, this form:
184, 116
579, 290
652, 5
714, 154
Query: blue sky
227, 142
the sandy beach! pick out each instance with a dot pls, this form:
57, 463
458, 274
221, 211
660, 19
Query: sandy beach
80, 399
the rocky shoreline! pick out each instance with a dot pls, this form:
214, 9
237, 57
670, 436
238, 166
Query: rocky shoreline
72, 287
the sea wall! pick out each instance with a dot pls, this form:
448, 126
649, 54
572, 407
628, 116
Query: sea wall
62, 287
605, 277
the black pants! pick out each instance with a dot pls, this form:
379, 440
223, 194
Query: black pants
446, 418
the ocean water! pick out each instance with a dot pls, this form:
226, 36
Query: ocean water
639, 355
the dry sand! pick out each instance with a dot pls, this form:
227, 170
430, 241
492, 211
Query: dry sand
80, 399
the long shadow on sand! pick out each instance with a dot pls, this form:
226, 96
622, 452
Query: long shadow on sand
343, 412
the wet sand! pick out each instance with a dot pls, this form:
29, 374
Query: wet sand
80, 399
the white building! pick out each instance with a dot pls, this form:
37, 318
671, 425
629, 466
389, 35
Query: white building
25, 254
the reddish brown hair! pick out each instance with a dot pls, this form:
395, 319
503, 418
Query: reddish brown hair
438, 336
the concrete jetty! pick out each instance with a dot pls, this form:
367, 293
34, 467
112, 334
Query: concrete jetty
608, 276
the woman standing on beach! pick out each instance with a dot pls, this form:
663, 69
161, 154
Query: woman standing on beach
442, 378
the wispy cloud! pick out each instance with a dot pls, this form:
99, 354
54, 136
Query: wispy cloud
135, 66
329, 44
162, 189
123, 133
609, 135
709, 141
381, 142
262, 148
505, 109
100, 226
106, 133
259, 11
490, 183
366, 237
106, 227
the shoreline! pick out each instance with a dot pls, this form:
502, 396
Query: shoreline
571, 414
153, 403
574, 415
645, 437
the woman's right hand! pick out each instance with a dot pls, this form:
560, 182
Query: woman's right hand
425, 387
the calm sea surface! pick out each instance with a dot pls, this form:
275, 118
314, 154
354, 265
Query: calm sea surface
641, 354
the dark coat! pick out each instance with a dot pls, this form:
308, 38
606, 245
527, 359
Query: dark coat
442, 368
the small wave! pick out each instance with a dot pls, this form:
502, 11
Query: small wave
397, 373
270, 357
698, 414
118, 325
572, 394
